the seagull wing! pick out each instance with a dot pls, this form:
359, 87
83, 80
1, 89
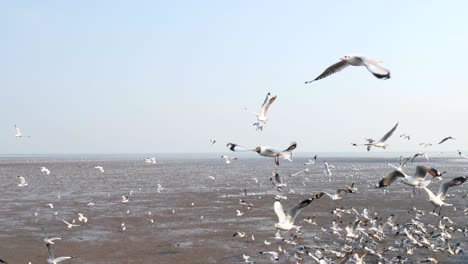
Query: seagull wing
422, 171
22, 180
235, 147
376, 68
267, 105
279, 212
390, 178
277, 178
445, 139
389, 134
18, 131
266, 99
291, 147
294, 211
331, 70
59, 259
443, 189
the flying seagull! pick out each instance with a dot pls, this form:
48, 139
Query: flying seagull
461, 154
336, 195
23, 182
422, 154
381, 143
416, 181
286, 221
226, 159
405, 136
44, 169
262, 118
18, 133
100, 168
53, 260
311, 161
438, 200
374, 66
212, 141
445, 139
267, 151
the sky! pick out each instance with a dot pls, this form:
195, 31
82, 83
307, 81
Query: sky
168, 76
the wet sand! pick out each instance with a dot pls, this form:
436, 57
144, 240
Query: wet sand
183, 237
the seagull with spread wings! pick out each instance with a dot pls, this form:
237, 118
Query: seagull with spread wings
418, 180
267, 151
378, 144
445, 139
374, 66
262, 118
438, 200
19, 134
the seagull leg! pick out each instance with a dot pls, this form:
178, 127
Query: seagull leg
435, 207
440, 209
277, 160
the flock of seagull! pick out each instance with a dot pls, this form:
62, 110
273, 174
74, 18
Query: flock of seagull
366, 232
360, 239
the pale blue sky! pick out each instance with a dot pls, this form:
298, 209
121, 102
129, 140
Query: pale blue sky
149, 76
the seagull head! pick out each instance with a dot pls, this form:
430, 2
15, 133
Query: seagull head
258, 149
345, 58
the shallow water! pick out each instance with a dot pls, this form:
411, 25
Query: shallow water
183, 237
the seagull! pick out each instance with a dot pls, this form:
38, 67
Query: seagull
23, 182
160, 188
336, 195
90, 204
50, 240
286, 221
212, 141
423, 154
82, 218
239, 233
267, 151
445, 139
274, 255
262, 118
276, 153
100, 168
280, 183
438, 200
150, 160
18, 133
374, 66
68, 224
51, 206
311, 161
425, 144
52, 259
226, 158
381, 143
239, 213
44, 169
417, 180
327, 169
461, 154
124, 198
306, 170
405, 136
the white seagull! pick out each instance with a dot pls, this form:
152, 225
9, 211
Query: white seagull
100, 168
327, 169
44, 169
69, 225
438, 200
125, 199
150, 160
286, 221
53, 260
23, 182
262, 118
267, 151
374, 66
378, 144
82, 218
418, 180
226, 159
18, 133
